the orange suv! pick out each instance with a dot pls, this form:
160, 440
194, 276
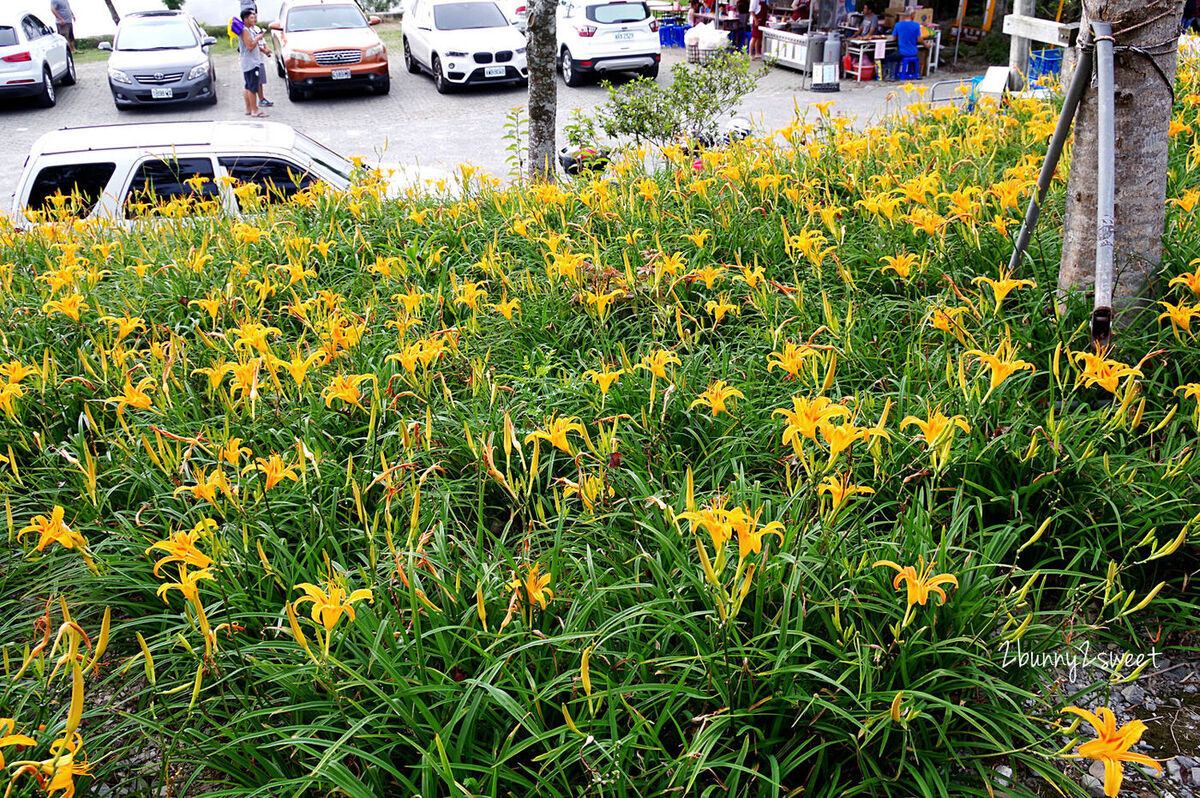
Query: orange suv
328, 44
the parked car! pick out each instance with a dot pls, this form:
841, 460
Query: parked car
461, 42
33, 59
160, 58
596, 38
120, 172
328, 44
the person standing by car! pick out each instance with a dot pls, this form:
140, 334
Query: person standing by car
251, 61
65, 21
263, 102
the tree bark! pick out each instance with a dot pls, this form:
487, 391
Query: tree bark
113, 11
542, 44
1142, 108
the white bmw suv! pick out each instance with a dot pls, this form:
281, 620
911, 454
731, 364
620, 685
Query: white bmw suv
463, 42
599, 37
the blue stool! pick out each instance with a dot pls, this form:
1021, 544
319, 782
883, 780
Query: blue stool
680, 30
908, 68
664, 35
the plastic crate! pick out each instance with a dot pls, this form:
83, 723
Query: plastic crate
1045, 62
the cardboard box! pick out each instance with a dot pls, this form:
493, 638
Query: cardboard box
920, 14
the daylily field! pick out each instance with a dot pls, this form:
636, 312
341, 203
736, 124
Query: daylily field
739, 477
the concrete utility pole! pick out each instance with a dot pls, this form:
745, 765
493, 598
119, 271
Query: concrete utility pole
112, 10
1143, 84
1018, 48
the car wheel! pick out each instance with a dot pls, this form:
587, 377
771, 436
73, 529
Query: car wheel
440, 82
384, 86
410, 63
213, 89
69, 77
295, 93
651, 72
47, 98
571, 75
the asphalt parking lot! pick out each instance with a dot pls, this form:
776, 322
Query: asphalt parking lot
413, 125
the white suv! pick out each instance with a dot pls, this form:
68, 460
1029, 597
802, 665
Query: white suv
599, 37
33, 58
120, 172
463, 42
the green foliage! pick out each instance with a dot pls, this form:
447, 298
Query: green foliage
344, 332
691, 106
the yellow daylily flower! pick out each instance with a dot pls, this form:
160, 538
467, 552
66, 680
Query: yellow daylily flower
181, 547
838, 487
715, 397
791, 359
656, 362
345, 387
274, 469
1099, 369
331, 603
556, 431
535, 587
1002, 363
1003, 286
604, 378
1112, 745
53, 529
920, 580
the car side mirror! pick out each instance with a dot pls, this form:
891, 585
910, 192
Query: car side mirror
374, 21
208, 41
275, 26
104, 46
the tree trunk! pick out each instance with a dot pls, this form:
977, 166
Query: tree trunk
1142, 108
542, 43
113, 11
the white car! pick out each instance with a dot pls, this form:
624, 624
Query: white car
463, 42
117, 172
33, 59
595, 38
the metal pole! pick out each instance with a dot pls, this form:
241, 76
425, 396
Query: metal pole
1079, 83
1101, 327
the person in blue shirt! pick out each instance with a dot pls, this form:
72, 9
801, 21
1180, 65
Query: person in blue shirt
909, 39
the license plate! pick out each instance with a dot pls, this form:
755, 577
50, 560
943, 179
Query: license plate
623, 36
494, 72
162, 94
340, 74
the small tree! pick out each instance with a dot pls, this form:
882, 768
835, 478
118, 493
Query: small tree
174, 5
691, 107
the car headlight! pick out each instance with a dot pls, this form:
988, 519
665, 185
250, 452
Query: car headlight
374, 52
456, 54
520, 51
198, 71
117, 76
300, 57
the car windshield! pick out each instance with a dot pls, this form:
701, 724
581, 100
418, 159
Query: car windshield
7, 36
325, 18
155, 34
618, 12
465, 16
325, 157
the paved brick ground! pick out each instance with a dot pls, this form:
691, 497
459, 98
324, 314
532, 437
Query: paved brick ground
413, 124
